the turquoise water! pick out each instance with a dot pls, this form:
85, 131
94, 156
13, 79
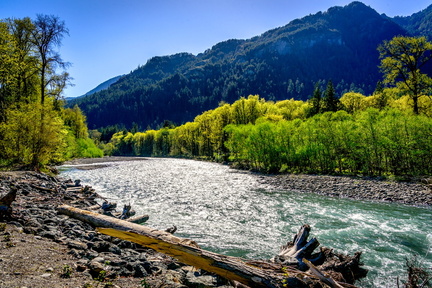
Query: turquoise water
230, 212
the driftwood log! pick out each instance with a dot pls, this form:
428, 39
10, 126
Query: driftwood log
300, 248
299, 254
250, 273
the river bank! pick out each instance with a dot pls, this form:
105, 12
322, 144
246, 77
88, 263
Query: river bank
411, 193
40, 248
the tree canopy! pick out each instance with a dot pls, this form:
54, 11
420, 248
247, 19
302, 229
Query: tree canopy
35, 129
403, 62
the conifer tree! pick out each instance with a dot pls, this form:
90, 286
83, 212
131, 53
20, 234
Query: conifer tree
316, 100
330, 101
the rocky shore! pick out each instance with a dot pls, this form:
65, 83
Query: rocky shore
41, 248
417, 193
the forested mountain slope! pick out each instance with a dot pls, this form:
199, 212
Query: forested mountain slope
339, 45
418, 24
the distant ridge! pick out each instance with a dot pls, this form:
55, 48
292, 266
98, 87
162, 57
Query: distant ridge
100, 87
339, 44
418, 24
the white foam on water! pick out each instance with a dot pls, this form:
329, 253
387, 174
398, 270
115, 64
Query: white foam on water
230, 212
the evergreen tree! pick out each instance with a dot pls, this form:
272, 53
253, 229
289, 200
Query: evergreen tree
330, 101
316, 101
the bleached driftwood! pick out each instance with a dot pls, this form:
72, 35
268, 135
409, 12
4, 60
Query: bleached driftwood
250, 273
184, 250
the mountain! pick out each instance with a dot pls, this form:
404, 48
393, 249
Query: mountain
339, 45
418, 24
100, 87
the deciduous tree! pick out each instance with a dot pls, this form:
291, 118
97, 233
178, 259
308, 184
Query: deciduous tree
46, 36
403, 60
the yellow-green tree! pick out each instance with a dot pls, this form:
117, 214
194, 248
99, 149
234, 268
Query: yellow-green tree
352, 102
402, 62
76, 120
28, 141
35, 130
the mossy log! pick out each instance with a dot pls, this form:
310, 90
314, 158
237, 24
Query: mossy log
250, 273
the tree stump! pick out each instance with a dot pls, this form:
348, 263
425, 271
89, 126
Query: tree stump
299, 254
6, 202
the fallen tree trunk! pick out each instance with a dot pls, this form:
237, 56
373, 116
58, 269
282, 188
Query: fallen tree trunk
251, 273
185, 250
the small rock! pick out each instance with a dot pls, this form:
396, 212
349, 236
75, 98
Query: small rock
77, 245
140, 270
95, 267
46, 275
49, 269
196, 279
49, 234
81, 265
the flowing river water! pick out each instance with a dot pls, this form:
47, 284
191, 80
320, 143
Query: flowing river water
231, 212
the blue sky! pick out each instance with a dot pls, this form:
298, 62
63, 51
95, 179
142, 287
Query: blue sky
112, 37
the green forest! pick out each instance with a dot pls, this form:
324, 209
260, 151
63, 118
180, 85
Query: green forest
35, 128
387, 133
282, 63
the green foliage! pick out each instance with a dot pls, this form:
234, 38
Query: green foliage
88, 149
352, 102
35, 130
330, 101
66, 271
277, 137
316, 101
403, 62
144, 283
76, 121
34, 135
371, 143
101, 277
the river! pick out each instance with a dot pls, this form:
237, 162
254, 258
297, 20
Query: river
230, 212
